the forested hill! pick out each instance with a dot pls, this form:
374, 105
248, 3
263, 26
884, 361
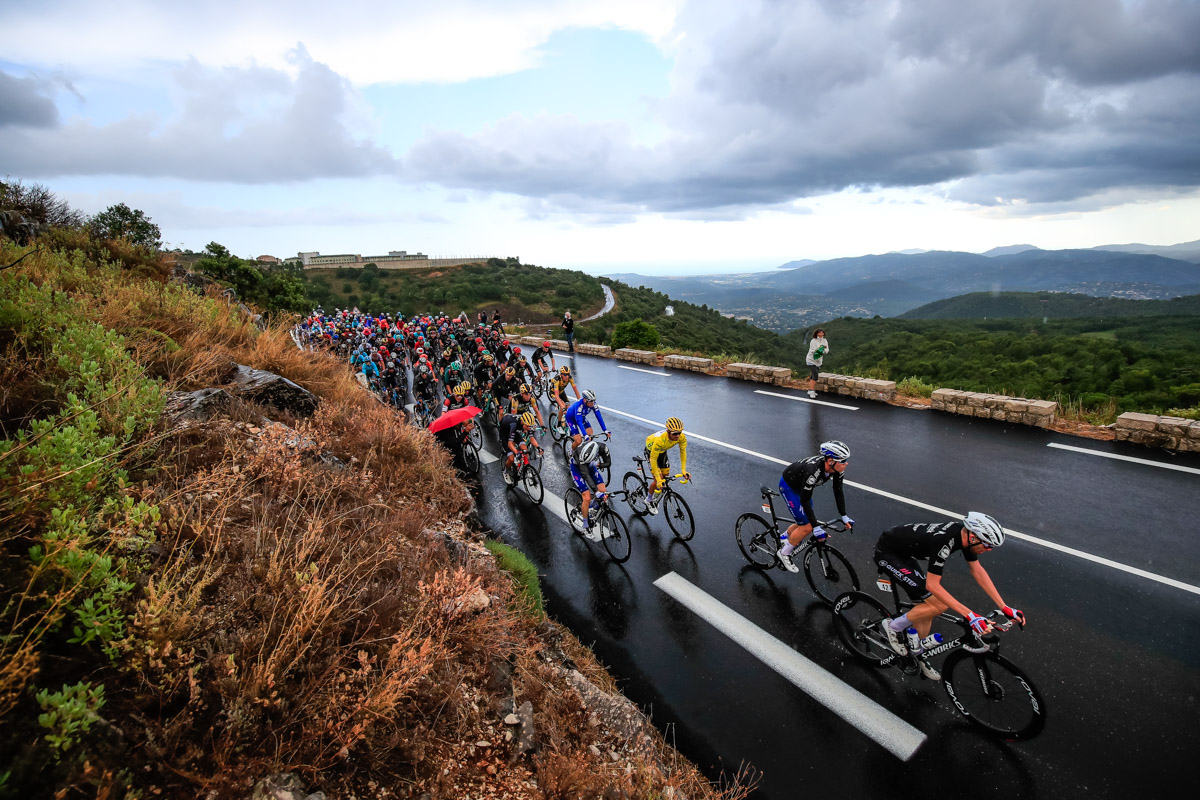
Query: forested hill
1054, 305
521, 292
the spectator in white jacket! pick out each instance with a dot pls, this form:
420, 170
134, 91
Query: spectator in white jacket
818, 346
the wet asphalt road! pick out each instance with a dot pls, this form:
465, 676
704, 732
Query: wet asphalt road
1115, 654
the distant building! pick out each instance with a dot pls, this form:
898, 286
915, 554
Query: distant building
268, 259
395, 259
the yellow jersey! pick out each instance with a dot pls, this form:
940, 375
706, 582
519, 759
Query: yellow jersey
660, 442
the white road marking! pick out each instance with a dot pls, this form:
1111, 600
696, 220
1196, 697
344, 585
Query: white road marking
1134, 459
557, 505
894, 734
807, 400
1141, 573
648, 372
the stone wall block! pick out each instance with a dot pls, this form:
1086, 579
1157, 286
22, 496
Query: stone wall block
1135, 421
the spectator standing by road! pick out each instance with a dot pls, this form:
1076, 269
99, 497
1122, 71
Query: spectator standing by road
568, 326
818, 346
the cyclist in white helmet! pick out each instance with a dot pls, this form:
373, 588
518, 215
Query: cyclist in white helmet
898, 553
796, 487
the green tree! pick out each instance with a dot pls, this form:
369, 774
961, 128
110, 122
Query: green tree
122, 222
635, 333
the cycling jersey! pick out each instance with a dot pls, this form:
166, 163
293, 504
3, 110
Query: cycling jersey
797, 484
511, 431
540, 354
519, 405
577, 415
935, 541
559, 386
577, 476
657, 445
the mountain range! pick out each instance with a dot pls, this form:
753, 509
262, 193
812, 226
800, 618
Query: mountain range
890, 284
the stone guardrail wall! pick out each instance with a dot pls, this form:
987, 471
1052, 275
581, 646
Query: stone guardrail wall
638, 356
866, 388
690, 363
1152, 430
601, 350
759, 374
1039, 413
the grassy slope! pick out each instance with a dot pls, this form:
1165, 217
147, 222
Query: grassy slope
226, 607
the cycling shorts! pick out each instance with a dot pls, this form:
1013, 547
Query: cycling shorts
905, 571
660, 466
793, 503
580, 483
574, 428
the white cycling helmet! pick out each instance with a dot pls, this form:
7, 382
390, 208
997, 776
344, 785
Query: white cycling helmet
985, 527
588, 453
835, 450
589, 395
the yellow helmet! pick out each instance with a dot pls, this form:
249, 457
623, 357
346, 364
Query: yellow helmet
465, 386
564, 370
528, 419
675, 425
459, 391
525, 388
510, 372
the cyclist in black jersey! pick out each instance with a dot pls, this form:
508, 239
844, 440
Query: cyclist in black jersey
796, 487
897, 554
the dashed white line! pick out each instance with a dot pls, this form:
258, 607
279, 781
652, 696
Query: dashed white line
894, 734
648, 372
1141, 573
808, 400
1134, 459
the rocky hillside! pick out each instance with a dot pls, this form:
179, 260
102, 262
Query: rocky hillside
225, 566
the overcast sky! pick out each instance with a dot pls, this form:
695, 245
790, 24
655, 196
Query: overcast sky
668, 135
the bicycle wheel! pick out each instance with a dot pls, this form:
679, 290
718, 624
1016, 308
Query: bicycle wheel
476, 436
539, 389
679, 516
615, 536
757, 540
557, 429
856, 617
635, 492
573, 501
828, 572
565, 447
531, 481
994, 694
471, 458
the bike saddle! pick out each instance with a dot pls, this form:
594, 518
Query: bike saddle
766, 490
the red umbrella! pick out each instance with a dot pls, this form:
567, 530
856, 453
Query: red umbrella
453, 417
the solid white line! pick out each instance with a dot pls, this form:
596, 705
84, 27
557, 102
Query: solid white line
1141, 573
807, 400
894, 734
648, 372
1134, 459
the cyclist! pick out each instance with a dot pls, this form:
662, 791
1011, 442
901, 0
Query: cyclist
583, 461
558, 389
504, 386
577, 417
524, 401
657, 445
458, 397
540, 354
513, 433
425, 385
897, 553
796, 486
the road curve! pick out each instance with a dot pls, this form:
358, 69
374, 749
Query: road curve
609, 302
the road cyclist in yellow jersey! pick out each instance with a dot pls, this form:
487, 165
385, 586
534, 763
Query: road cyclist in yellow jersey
657, 445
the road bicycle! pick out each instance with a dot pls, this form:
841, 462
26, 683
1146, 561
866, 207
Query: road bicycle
525, 473
602, 519
424, 412
470, 455
490, 408
828, 571
985, 687
542, 386
671, 503
557, 425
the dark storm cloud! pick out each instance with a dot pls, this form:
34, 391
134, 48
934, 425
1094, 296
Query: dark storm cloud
250, 125
23, 102
1026, 100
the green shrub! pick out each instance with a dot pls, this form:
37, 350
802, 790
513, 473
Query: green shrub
635, 333
914, 387
524, 575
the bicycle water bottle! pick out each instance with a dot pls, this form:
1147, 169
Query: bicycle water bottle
931, 641
914, 640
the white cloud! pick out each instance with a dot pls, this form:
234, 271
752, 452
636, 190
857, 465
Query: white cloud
366, 41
